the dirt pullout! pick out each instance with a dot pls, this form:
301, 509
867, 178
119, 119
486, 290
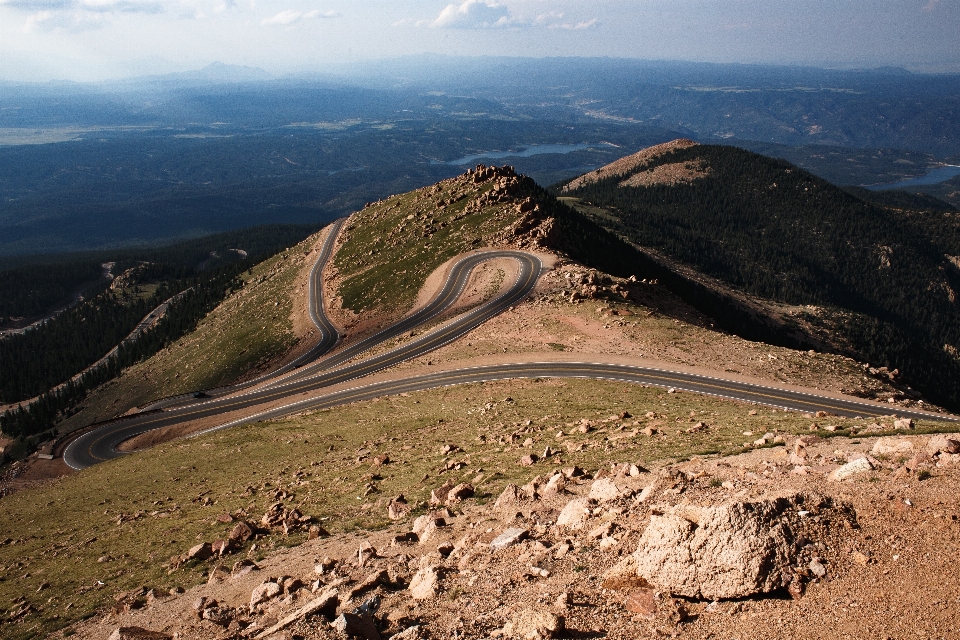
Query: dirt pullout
646, 324
570, 553
626, 165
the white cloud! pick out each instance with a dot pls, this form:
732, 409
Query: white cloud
489, 14
474, 14
291, 16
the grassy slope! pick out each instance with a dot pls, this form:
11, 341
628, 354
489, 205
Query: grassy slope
143, 508
411, 235
250, 328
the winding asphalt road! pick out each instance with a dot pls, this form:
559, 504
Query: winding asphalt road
329, 336
101, 443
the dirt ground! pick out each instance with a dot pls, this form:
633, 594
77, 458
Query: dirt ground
881, 549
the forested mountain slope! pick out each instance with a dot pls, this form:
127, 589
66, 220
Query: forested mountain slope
884, 281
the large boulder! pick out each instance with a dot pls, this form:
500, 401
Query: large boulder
728, 551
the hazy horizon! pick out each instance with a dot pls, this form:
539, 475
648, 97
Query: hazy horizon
91, 40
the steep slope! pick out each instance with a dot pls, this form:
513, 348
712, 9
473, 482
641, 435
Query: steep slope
876, 279
248, 333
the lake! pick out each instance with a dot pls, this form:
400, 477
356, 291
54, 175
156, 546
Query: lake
934, 176
532, 150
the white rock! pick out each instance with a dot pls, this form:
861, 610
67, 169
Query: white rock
817, 569
852, 468
508, 538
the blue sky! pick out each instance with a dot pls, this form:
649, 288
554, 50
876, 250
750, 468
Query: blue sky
94, 39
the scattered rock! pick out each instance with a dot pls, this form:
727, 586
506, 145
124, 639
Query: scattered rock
410, 633
202, 551
264, 592
892, 446
460, 492
428, 520
817, 569
642, 601
903, 423
556, 485
398, 508
529, 460
919, 461
243, 567
949, 444
218, 615
325, 604
605, 490
241, 532
439, 495
700, 427
509, 498
221, 547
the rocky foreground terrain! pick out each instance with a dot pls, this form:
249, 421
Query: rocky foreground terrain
817, 538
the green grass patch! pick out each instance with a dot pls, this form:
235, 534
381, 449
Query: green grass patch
391, 247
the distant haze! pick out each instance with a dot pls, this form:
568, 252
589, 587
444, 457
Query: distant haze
100, 39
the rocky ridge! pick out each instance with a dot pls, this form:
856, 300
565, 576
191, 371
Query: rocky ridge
686, 550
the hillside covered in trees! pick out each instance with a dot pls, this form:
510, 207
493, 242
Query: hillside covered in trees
884, 278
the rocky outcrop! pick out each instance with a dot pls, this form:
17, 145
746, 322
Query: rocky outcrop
732, 550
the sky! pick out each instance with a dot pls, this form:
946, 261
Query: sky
102, 39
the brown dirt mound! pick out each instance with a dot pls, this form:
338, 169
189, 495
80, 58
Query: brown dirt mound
668, 174
626, 165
